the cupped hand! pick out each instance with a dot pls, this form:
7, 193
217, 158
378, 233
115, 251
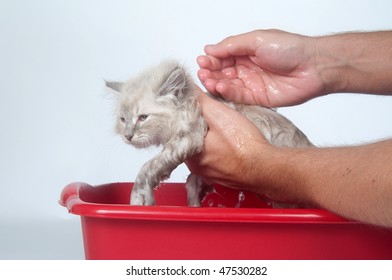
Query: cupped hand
266, 67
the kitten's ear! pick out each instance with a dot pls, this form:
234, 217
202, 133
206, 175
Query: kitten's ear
175, 85
114, 87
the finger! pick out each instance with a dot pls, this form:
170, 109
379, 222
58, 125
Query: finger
210, 85
208, 105
210, 79
203, 74
241, 95
213, 63
213, 110
204, 61
236, 92
227, 73
228, 122
232, 91
241, 44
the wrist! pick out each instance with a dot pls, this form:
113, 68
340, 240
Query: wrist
331, 63
354, 62
278, 174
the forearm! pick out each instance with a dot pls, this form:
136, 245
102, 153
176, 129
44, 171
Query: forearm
355, 62
354, 182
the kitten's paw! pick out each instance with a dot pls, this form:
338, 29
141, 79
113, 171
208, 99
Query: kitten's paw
141, 197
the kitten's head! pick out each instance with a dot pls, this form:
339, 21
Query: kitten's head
148, 103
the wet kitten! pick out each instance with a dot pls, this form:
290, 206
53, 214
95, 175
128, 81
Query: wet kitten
159, 107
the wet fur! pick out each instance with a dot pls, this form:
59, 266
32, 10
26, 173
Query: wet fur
158, 107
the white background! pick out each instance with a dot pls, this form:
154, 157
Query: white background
56, 120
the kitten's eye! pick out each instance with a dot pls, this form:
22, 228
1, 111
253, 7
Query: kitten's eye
122, 119
142, 117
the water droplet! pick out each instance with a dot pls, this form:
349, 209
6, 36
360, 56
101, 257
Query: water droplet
241, 198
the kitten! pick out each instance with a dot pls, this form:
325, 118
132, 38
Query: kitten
159, 107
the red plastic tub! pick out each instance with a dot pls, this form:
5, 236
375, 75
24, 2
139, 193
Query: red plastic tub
225, 228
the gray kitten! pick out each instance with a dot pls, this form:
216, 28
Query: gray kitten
159, 107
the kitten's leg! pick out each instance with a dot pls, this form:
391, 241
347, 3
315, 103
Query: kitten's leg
195, 185
151, 173
160, 168
141, 195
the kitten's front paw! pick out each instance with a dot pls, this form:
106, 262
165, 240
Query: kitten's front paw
142, 197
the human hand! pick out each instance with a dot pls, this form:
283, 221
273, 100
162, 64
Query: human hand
267, 67
236, 154
229, 146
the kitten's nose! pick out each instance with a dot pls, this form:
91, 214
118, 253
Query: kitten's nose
129, 137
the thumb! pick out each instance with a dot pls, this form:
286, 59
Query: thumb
214, 112
224, 120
